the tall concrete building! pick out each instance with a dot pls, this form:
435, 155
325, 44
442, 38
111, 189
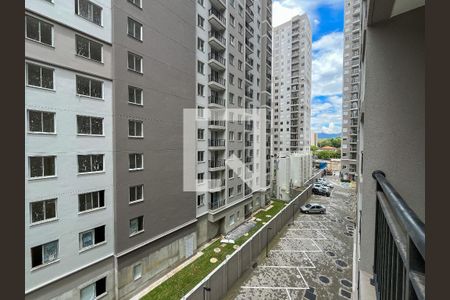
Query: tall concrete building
292, 86
233, 60
106, 86
69, 163
391, 113
351, 89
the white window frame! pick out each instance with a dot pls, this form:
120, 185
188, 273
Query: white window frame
90, 159
131, 234
89, 48
94, 282
77, 12
41, 177
39, 41
42, 125
136, 4
135, 123
141, 29
141, 60
92, 200
135, 90
142, 158
56, 259
90, 85
135, 187
27, 63
90, 125
202, 203
139, 276
45, 220
94, 245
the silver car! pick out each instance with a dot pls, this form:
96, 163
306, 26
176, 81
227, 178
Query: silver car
313, 208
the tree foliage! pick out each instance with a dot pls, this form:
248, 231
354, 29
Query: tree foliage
327, 154
332, 142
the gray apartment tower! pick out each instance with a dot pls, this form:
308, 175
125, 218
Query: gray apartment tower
351, 90
106, 86
292, 86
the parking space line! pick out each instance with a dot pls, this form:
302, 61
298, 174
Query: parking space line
275, 287
303, 278
289, 296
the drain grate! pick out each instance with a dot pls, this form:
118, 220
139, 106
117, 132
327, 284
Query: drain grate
332, 254
341, 263
346, 283
324, 279
345, 293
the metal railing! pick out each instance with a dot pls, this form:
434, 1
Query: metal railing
219, 163
216, 142
399, 262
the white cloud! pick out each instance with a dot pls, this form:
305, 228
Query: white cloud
282, 13
327, 65
331, 128
326, 114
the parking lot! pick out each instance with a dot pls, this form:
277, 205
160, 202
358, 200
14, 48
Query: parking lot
312, 256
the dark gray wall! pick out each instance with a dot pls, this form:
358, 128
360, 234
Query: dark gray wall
394, 117
168, 81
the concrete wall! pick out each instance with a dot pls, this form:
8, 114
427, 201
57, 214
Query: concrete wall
168, 83
394, 118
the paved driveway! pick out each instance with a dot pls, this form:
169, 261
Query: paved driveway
311, 258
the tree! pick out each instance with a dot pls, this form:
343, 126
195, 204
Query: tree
328, 154
332, 142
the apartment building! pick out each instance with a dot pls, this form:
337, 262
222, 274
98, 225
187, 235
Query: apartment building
391, 184
351, 89
69, 190
233, 60
292, 86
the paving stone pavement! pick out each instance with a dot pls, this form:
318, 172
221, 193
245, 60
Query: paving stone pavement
311, 258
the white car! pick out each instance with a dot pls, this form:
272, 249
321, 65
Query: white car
313, 208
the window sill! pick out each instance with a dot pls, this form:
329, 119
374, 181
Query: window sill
91, 247
135, 38
136, 137
136, 233
45, 265
136, 72
90, 135
40, 43
136, 104
136, 201
87, 20
136, 170
42, 177
90, 59
40, 88
90, 97
44, 222
41, 133
91, 173
85, 212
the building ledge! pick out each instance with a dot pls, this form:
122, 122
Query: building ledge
366, 289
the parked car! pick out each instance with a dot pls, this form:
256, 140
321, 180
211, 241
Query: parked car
313, 208
321, 190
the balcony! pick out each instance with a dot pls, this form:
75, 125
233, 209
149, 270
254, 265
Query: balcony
216, 185
250, 31
215, 101
249, 46
217, 124
216, 143
219, 4
217, 41
248, 143
216, 19
249, 62
216, 165
216, 61
399, 256
216, 82
213, 205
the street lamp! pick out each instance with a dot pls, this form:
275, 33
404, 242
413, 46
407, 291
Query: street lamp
205, 289
267, 241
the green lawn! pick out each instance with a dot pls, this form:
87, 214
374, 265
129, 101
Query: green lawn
187, 278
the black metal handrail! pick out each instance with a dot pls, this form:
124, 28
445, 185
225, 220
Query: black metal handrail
399, 262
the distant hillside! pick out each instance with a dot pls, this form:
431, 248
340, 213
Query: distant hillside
327, 135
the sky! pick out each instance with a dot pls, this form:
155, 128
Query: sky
327, 24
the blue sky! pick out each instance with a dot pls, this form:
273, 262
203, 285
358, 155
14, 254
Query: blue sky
327, 22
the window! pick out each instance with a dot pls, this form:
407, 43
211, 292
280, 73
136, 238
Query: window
136, 2
231, 98
230, 173
42, 166
136, 193
200, 111
240, 83
232, 219
200, 89
201, 200
200, 177
239, 188
136, 225
40, 76
231, 78
92, 237
231, 135
89, 11
137, 271
200, 134
91, 201
43, 210
231, 40
136, 161
89, 125
41, 121
240, 47
240, 65
88, 48
232, 20
239, 136
94, 291
134, 29
135, 128
89, 87
200, 156
231, 59
200, 44
134, 62
200, 67
240, 29
200, 21
135, 95
230, 192
39, 30
44, 254
90, 163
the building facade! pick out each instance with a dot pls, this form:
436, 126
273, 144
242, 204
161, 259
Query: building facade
351, 89
69, 202
107, 83
233, 60
292, 86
